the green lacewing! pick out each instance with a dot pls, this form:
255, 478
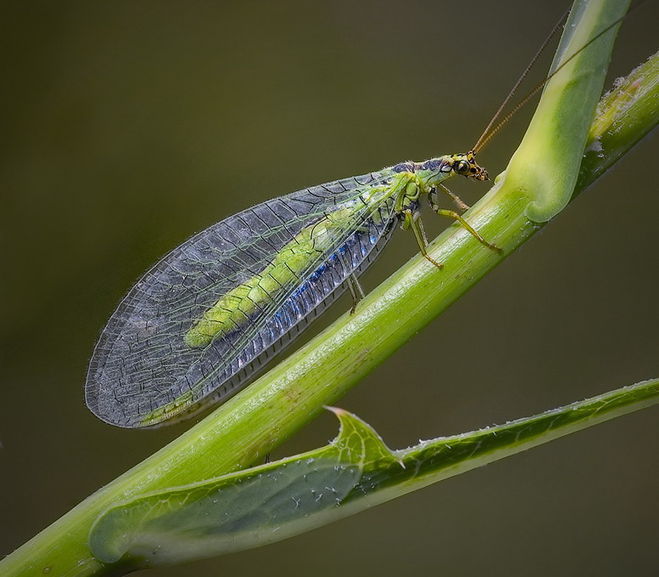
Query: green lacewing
198, 325
204, 318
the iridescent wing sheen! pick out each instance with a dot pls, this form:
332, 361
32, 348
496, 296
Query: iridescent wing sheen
143, 373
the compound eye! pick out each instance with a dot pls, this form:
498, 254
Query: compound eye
462, 167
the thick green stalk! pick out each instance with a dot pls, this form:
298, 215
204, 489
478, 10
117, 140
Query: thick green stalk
624, 116
557, 134
281, 402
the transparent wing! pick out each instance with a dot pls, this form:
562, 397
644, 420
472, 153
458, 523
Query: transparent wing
142, 372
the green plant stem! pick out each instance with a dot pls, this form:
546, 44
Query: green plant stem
557, 134
278, 404
624, 116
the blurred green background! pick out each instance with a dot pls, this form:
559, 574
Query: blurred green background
128, 126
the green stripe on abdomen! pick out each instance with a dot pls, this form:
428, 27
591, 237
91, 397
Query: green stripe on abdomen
235, 309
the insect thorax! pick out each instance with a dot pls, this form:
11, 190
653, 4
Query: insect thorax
432, 172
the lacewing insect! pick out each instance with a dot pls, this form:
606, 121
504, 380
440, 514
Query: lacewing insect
201, 320
199, 324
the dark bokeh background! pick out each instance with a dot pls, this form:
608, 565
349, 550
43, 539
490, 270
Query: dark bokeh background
127, 126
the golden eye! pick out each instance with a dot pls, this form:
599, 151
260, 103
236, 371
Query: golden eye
462, 166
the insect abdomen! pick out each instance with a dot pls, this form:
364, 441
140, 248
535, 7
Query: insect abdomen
236, 307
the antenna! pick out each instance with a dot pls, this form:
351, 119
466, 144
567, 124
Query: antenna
523, 75
489, 132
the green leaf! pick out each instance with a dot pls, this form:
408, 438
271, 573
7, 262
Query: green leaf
246, 509
356, 471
